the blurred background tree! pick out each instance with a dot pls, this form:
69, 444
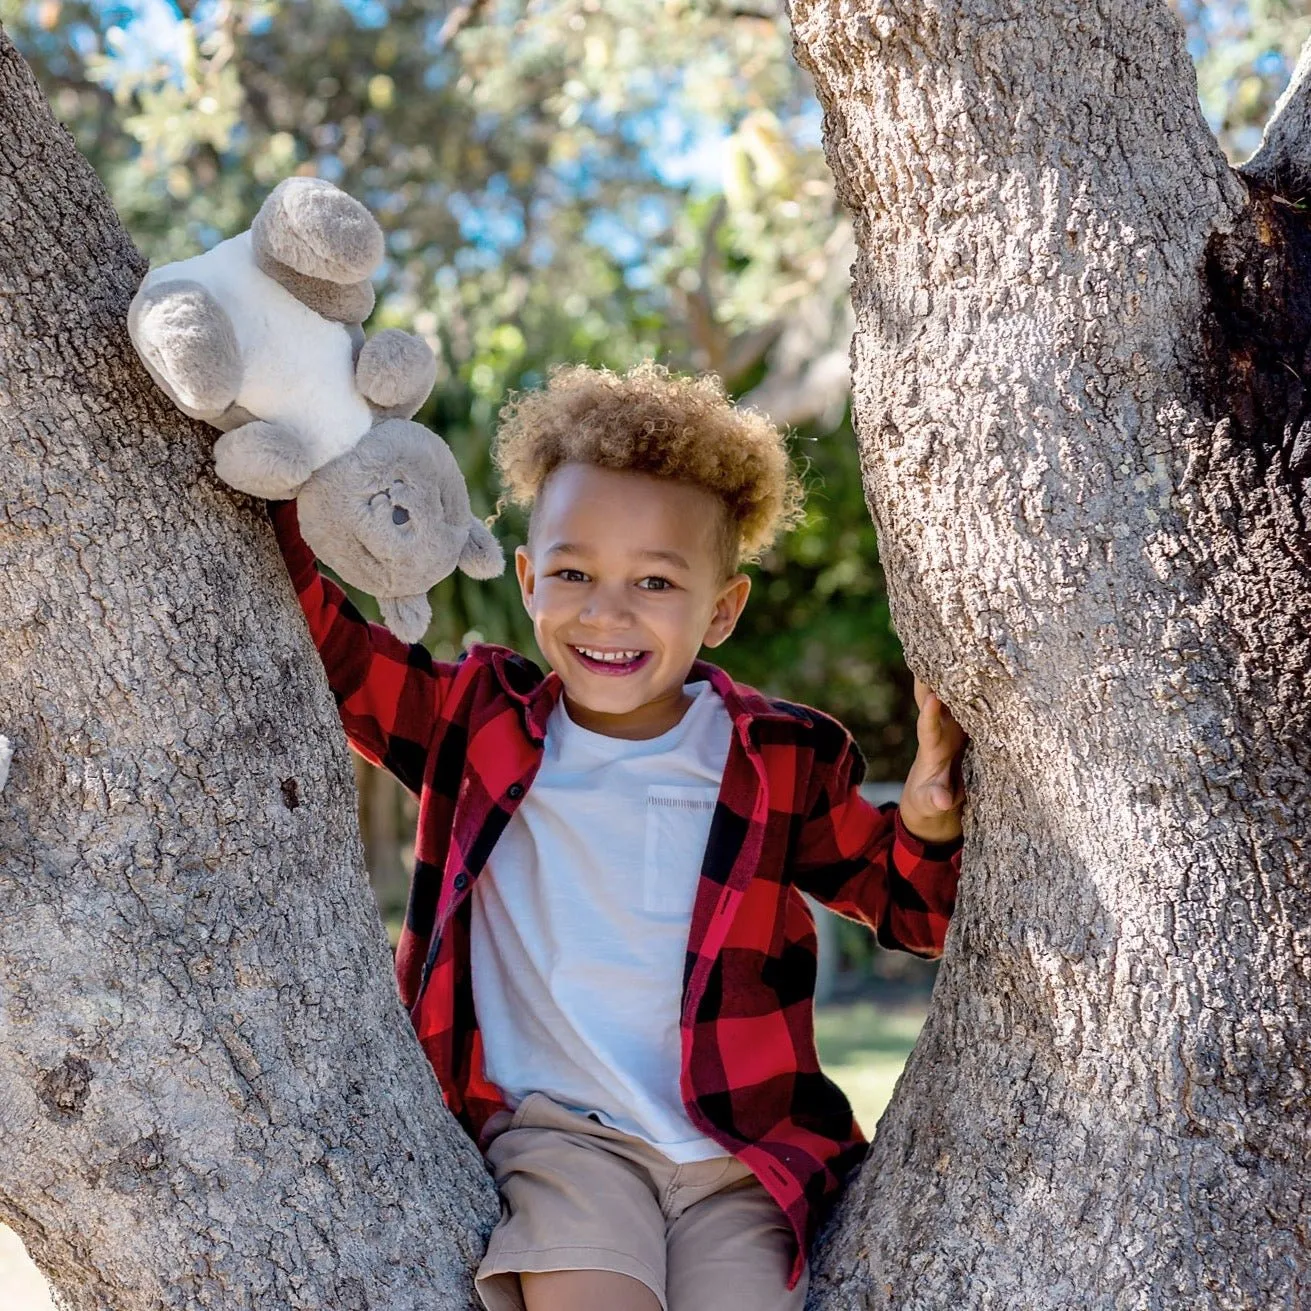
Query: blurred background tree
563, 180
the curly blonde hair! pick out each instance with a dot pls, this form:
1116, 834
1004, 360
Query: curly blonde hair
649, 420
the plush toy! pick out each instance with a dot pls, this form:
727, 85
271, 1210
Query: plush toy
261, 338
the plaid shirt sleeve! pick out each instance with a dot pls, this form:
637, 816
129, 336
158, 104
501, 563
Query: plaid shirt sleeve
861, 861
390, 695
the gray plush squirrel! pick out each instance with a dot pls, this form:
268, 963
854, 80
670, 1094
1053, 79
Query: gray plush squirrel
261, 338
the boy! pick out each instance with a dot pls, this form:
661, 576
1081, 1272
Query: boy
606, 956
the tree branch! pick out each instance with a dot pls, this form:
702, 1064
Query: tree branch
1283, 160
460, 17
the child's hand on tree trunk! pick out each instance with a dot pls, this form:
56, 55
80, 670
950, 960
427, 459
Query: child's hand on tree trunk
934, 793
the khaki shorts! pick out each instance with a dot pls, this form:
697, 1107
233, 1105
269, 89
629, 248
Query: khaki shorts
578, 1195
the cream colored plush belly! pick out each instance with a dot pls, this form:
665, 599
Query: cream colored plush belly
297, 367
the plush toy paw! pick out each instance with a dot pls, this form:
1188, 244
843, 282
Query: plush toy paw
396, 371
318, 231
262, 459
407, 616
188, 345
482, 556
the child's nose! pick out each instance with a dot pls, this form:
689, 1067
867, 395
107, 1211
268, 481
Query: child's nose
607, 608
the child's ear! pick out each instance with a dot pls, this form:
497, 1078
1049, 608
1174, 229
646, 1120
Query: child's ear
729, 604
527, 576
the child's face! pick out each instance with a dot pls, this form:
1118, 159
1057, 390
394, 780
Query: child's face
624, 581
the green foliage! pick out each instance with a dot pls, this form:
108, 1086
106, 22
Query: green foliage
817, 627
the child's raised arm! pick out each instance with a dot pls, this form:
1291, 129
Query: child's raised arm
390, 695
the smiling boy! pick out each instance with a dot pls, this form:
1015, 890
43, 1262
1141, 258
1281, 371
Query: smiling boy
606, 955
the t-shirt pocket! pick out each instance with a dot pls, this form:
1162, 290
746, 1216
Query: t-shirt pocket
677, 829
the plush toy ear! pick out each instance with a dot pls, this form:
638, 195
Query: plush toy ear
482, 556
407, 616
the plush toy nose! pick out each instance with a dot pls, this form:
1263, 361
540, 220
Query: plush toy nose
400, 515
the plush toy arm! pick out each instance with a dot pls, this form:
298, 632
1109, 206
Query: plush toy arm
396, 372
188, 345
263, 459
482, 556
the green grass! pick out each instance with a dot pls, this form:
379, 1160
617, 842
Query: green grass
862, 1047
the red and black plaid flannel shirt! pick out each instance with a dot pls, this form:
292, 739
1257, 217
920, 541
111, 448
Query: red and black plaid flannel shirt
467, 739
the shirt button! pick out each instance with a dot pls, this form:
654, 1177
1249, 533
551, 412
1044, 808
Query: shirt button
461, 881
514, 791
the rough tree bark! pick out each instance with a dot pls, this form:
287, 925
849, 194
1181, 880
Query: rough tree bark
209, 1093
1079, 391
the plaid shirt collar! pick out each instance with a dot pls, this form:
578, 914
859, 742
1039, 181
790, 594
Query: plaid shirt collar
536, 696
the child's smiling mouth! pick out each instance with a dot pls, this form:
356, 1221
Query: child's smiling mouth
610, 660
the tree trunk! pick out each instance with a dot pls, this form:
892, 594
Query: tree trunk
1079, 361
209, 1092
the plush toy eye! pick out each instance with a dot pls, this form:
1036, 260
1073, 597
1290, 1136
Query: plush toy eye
400, 515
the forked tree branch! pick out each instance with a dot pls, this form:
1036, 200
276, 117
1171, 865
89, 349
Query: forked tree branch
1283, 160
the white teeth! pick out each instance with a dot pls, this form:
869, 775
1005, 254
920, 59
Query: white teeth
609, 657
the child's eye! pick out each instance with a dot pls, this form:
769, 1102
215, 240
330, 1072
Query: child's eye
571, 575
657, 584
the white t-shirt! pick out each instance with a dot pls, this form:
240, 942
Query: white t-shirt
580, 923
